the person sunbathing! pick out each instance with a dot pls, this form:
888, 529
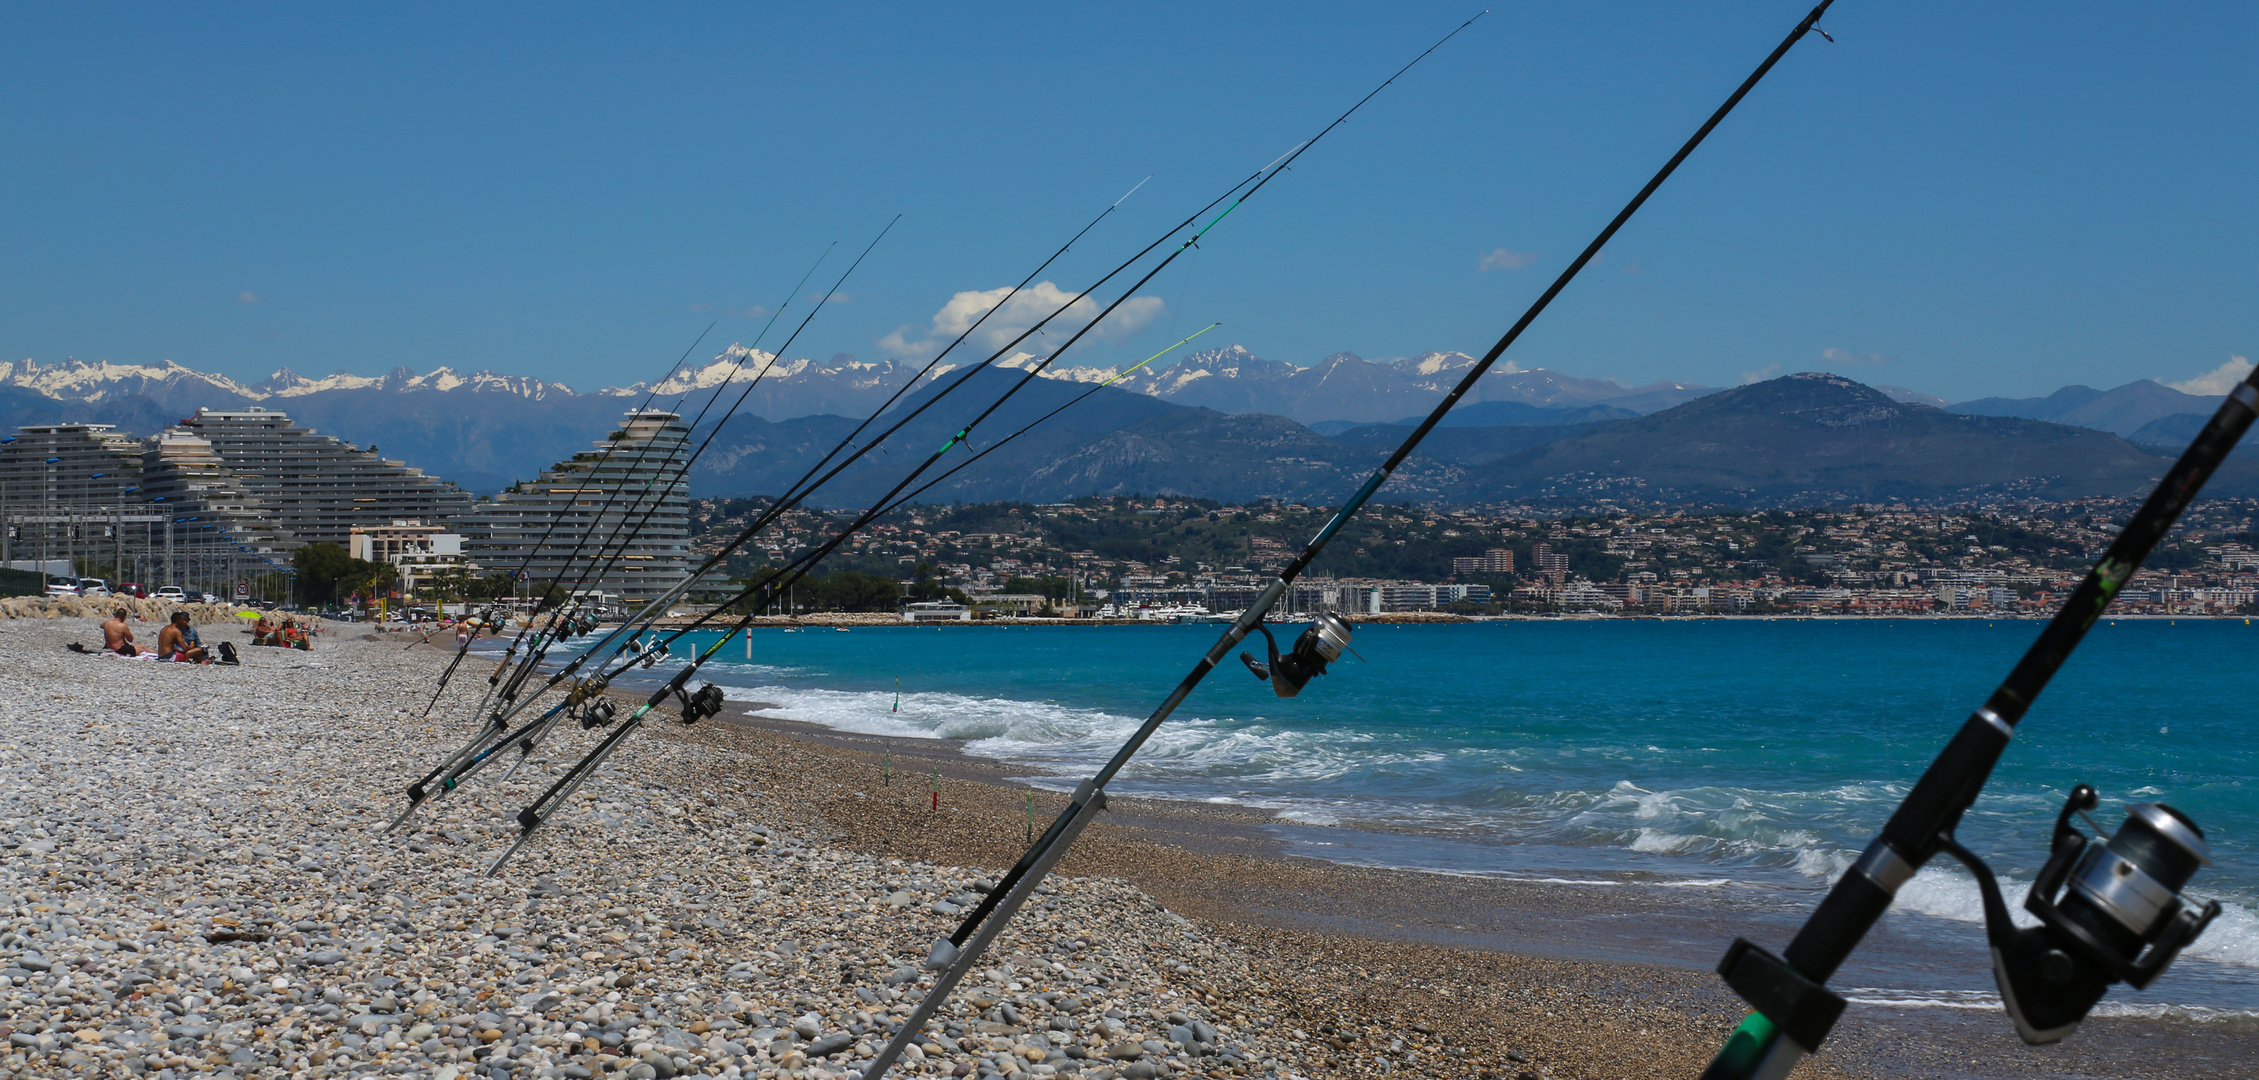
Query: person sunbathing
173, 642
117, 637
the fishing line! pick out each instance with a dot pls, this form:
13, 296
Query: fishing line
701, 704
799, 489
1070, 403
800, 566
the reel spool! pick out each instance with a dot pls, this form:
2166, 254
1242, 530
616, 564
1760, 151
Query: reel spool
1318, 646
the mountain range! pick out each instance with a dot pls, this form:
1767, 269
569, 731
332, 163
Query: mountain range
1800, 439
1224, 423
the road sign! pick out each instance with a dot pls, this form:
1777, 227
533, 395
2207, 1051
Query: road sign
242, 590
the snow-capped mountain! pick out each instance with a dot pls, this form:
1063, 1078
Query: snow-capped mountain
285, 383
484, 429
77, 380
80, 382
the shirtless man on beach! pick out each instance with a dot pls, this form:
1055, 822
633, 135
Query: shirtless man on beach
117, 637
172, 642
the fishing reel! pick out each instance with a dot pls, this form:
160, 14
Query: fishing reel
596, 714
588, 702
2109, 911
648, 653
700, 703
588, 688
1318, 646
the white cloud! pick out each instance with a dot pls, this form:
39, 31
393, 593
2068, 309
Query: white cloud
247, 297
2217, 381
1022, 311
1502, 259
1760, 375
1847, 358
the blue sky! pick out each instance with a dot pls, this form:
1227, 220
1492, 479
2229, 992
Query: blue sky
1962, 199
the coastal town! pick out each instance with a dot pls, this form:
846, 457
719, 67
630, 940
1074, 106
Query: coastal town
1124, 554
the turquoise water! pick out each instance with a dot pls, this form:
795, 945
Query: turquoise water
1755, 757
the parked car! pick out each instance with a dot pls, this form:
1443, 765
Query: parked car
93, 586
62, 587
132, 589
194, 597
174, 593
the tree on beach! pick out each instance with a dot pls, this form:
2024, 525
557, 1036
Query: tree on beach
326, 573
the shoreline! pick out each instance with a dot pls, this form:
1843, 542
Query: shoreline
877, 621
1459, 936
201, 866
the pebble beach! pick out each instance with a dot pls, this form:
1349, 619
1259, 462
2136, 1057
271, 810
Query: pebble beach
195, 880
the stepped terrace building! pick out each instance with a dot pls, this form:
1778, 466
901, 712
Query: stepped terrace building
219, 498
312, 488
63, 489
623, 508
214, 527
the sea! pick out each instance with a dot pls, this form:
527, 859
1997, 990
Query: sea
1726, 769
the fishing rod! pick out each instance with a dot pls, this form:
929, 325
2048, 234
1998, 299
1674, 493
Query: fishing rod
496, 732
708, 699
1323, 642
469, 760
491, 730
601, 709
534, 657
2110, 909
776, 510
648, 397
548, 589
590, 691
889, 500
800, 488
